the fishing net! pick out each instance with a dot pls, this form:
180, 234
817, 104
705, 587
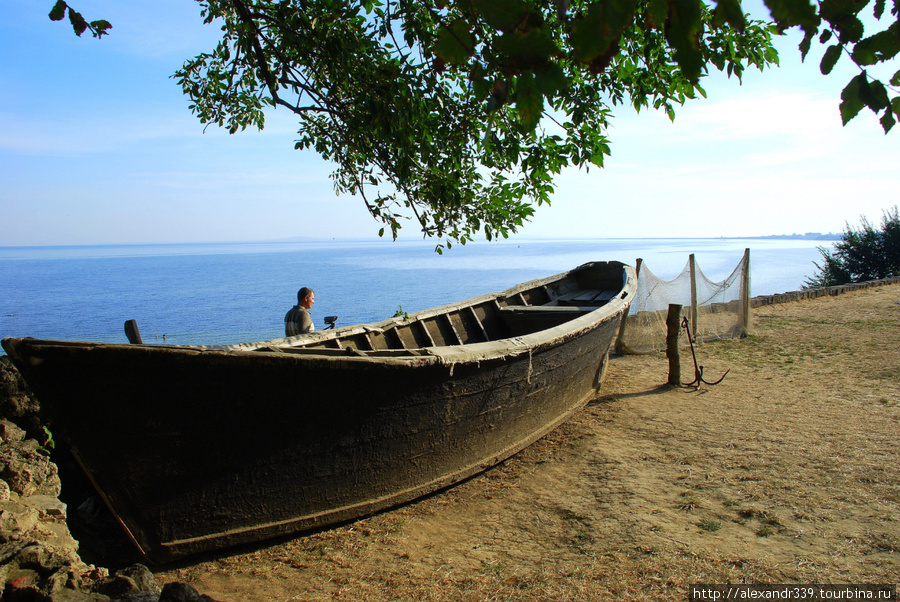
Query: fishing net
721, 307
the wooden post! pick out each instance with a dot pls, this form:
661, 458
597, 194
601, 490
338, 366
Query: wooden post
132, 332
745, 293
673, 324
620, 346
695, 311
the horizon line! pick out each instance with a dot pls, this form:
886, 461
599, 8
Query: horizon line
308, 239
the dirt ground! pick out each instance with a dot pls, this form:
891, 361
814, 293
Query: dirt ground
787, 471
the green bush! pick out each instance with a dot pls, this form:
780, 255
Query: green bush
861, 255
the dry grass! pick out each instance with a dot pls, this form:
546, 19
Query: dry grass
787, 471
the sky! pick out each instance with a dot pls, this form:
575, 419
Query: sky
98, 146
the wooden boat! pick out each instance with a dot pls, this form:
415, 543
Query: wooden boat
198, 448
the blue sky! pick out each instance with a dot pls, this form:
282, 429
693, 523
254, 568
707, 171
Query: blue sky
97, 146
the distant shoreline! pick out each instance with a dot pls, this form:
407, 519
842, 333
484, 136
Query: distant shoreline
808, 236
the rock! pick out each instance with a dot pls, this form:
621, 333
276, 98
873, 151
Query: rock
139, 597
32, 594
55, 537
142, 576
16, 400
49, 506
182, 592
134, 579
178, 592
34, 556
38, 556
116, 587
71, 595
21, 584
27, 471
16, 519
10, 432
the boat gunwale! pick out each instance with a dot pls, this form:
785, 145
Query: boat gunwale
458, 352
414, 357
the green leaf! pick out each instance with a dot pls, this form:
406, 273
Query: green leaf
529, 101
850, 28
101, 27
788, 13
683, 34
842, 15
731, 12
851, 103
77, 21
830, 58
58, 11
657, 12
874, 95
481, 86
595, 33
503, 15
887, 121
879, 47
864, 55
551, 79
455, 43
805, 45
527, 48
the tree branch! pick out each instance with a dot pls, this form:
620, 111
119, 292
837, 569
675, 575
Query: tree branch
262, 63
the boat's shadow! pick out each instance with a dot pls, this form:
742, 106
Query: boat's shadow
602, 399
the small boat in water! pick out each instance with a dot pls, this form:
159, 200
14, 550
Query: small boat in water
198, 448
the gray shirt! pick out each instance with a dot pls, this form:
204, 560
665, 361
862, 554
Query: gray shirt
297, 321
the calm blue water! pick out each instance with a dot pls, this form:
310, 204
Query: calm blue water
229, 293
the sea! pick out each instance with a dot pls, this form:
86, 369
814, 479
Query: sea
221, 293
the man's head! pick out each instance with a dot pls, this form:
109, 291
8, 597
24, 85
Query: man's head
306, 297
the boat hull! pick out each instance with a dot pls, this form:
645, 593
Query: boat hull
195, 450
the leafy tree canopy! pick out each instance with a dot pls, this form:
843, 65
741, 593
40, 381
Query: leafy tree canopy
861, 255
457, 114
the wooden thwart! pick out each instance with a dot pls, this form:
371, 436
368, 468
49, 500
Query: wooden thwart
594, 297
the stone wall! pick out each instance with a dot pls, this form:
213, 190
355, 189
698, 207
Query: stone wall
813, 293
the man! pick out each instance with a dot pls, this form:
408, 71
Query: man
297, 320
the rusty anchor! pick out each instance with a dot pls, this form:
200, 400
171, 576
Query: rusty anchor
698, 370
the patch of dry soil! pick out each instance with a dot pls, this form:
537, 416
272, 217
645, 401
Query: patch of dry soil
787, 471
